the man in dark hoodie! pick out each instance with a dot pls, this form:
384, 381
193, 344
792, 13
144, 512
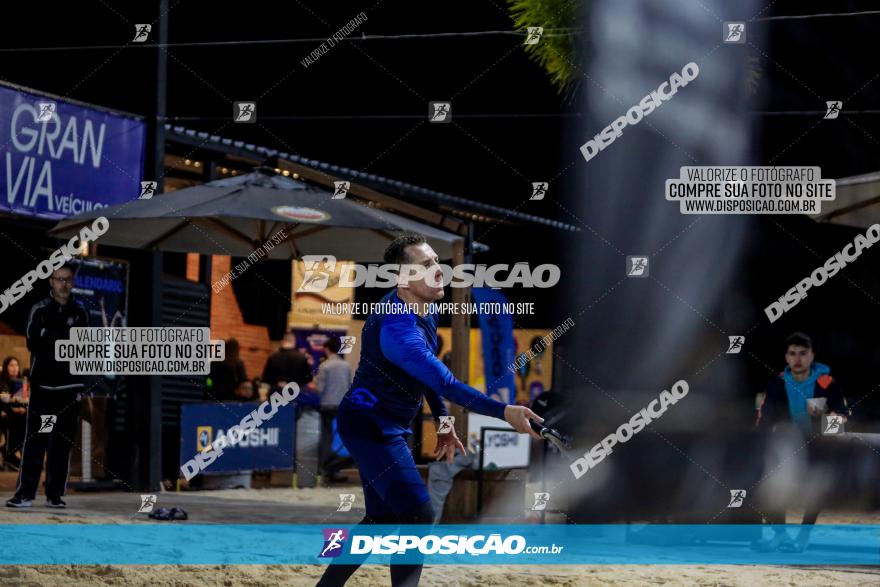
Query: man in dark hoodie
287, 364
795, 398
55, 394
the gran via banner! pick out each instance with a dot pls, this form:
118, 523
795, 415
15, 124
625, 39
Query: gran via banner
59, 159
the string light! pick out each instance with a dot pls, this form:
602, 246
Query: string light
548, 32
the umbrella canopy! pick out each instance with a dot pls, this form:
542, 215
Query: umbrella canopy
237, 215
857, 201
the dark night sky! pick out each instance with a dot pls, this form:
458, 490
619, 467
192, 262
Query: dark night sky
394, 77
488, 159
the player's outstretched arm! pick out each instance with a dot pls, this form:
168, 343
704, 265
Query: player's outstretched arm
436, 403
404, 345
519, 417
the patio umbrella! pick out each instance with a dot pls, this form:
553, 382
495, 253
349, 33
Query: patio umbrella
856, 201
235, 216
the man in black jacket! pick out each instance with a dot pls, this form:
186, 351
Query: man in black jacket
791, 397
55, 394
797, 398
287, 364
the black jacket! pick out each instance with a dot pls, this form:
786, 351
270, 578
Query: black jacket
775, 407
287, 365
225, 379
50, 321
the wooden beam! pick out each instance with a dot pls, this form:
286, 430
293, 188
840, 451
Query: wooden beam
461, 338
244, 160
849, 208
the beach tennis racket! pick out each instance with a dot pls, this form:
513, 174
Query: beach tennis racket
553, 436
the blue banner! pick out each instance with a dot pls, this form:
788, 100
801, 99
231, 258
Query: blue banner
59, 159
269, 446
102, 287
165, 543
496, 329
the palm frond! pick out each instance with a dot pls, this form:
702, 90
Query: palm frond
558, 52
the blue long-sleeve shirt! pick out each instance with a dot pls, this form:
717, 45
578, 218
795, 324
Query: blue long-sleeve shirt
398, 366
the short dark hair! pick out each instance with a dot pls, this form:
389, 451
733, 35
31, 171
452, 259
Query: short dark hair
69, 266
395, 254
233, 350
798, 339
334, 344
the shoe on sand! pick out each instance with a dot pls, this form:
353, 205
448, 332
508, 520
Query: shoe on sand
18, 502
768, 545
794, 546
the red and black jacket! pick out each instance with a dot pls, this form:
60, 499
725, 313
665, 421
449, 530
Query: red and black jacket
774, 408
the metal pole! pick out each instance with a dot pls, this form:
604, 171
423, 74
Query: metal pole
545, 450
461, 333
469, 243
209, 173
480, 473
148, 417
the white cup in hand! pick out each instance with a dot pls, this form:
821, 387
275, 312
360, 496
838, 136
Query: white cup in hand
817, 405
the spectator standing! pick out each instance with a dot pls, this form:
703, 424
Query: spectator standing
55, 397
796, 399
227, 375
287, 364
332, 383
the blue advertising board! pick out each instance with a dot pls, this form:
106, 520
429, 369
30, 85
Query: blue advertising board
269, 446
496, 330
101, 285
59, 158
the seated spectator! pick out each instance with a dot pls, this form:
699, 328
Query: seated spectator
13, 409
226, 375
245, 391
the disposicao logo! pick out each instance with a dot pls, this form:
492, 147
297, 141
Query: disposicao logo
333, 541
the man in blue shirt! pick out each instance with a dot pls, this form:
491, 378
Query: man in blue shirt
398, 366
